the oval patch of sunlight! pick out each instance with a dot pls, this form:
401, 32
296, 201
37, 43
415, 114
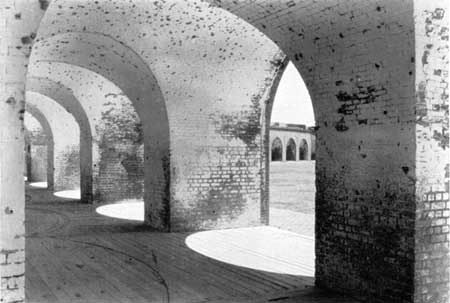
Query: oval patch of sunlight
262, 248
25, 178
39, 184
127, 210
69, 194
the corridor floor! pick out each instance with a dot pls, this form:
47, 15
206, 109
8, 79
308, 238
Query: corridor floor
76, 255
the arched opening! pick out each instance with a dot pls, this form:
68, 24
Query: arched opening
235, 145
66, 170
76, 53
64, 97
39, 147
303, 150
292, 184
226, 144
277, 150
291, 150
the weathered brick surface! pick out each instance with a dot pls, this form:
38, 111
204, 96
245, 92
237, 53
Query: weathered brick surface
359, 61
212, 106
380, 155
432, 255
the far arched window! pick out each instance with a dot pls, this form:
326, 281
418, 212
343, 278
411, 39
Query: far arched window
277, 150
303, 150
290, 150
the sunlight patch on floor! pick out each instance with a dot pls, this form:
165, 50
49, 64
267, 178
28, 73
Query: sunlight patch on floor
128, 209
39, 184
69, 194
262, 248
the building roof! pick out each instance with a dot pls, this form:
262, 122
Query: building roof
302, 128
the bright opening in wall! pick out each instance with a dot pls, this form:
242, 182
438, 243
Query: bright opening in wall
292, 102
292, 171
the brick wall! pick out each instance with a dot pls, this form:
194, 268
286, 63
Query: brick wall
201, 108
121, 161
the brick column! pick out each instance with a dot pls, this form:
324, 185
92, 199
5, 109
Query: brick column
19, 20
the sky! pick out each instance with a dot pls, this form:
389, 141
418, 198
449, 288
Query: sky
292, 102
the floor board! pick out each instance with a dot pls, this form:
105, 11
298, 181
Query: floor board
77, 256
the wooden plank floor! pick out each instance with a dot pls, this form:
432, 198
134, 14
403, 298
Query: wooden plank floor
76, 255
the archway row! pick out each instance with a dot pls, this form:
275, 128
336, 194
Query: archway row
116, 90
324, 55
288, 152
112, 154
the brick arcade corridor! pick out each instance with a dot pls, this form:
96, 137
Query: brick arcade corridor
169, 102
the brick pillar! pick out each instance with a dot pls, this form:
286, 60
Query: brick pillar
19, 20
12, 254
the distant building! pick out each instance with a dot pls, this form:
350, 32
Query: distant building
292, 142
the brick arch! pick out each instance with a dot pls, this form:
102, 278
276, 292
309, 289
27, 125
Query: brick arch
66, 138
119, 64
64, 96
408, 27
291, 150
395, 21
351, 88
117, 140
200, 107
39, 116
